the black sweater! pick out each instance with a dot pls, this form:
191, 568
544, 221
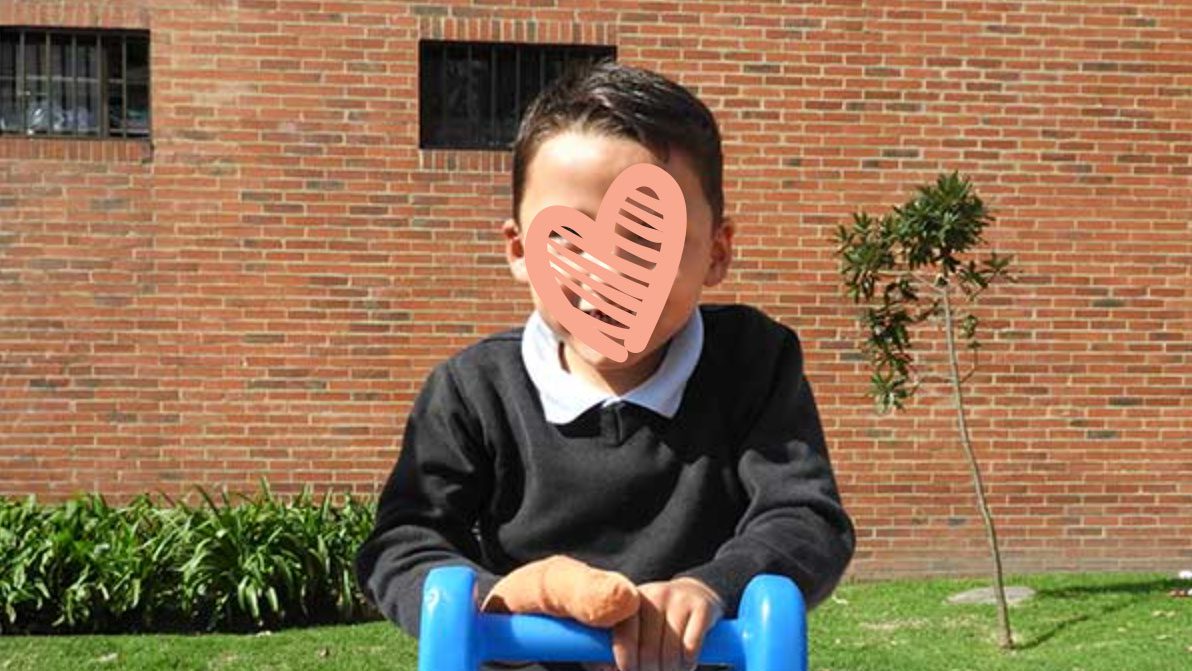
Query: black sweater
736, 484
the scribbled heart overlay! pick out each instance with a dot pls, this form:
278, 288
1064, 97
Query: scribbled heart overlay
606, 281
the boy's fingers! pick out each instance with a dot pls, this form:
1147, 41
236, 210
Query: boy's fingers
649, 645
693, 635
672, 638
625, 638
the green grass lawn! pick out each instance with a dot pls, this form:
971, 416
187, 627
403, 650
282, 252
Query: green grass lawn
1075, 623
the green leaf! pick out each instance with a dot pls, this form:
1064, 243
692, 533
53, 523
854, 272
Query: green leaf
968, 326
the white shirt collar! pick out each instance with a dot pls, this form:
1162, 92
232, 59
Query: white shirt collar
565, 396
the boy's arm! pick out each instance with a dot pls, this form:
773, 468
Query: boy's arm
795, 524
430, 502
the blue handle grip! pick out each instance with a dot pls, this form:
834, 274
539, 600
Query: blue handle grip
770, 633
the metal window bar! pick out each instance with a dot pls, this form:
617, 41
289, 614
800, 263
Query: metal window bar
443, 102
47, 89
45, 79
38, 83
72, 95
464, 72
99, 88
477, 127
493, 136
105, 115
148, 89
124, 87
148, 85
21, 92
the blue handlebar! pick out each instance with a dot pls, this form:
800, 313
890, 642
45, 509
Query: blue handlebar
770, 633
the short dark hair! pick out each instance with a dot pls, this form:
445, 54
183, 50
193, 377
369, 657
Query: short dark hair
624, 101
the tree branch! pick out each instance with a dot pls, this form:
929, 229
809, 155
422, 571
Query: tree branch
1005, 638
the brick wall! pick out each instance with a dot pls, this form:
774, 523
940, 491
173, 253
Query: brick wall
261, 290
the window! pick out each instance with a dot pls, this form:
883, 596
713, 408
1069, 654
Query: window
473, 93
80, 83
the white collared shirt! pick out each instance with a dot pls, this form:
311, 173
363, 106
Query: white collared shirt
565, 396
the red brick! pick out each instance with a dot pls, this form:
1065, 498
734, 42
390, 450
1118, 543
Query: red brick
262, 288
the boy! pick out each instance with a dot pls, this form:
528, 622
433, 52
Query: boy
671, 478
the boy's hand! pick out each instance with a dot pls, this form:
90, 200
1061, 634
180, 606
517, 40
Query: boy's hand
668, 630
565, 587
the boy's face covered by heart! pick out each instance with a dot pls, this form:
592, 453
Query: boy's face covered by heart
575, 169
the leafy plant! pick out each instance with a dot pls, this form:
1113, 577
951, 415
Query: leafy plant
84, 566
907, 268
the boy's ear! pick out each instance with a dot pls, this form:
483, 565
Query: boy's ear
722, 253
515, 251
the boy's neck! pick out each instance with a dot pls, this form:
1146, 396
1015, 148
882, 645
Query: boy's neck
617, 382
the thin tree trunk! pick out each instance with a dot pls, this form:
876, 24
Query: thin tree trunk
1005, 637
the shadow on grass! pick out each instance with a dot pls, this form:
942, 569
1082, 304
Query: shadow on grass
1130, 592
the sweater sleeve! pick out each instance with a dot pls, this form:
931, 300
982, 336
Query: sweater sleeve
795, 524
429, 505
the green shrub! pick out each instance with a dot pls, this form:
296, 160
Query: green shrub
84, 566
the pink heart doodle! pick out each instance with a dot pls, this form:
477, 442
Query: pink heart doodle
620, 267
